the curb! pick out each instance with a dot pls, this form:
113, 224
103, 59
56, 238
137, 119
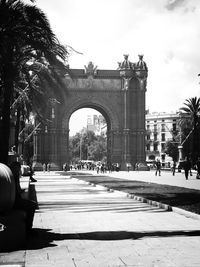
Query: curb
150, 202
186, 213
166, 207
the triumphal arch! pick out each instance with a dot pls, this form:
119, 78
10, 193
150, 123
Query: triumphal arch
119, 95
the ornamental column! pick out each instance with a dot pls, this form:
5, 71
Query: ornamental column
141, 72
53, 135
126, 73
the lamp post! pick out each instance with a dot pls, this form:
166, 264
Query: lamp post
180, 146
81, 139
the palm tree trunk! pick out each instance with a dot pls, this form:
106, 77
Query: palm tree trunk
195, 141
5, 131
7, 95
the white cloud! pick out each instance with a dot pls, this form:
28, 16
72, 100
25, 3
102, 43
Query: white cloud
167, 32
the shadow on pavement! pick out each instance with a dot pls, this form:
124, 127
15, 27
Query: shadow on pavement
45, 238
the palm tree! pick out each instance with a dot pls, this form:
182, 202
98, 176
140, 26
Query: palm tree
25, 36
192, 108
42, 83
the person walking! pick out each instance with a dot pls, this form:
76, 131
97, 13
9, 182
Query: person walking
44, 167
48, 167
186, 167
174, 168
128, 165
198, 168
158, 167
33, 180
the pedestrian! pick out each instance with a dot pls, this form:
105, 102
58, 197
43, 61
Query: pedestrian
158, 167
173, 168
97, 169
33, 180
198, 168
136, 166
102, 168
21, 203
44, 167
48, 167
128, 165
190, 160
65, 167
186, 167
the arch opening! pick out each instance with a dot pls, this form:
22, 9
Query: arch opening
88, 142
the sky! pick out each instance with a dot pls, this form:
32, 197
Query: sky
166, 32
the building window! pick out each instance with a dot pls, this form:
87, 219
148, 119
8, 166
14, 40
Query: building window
148, 137
174, 126
163, 157
151, 157
163, 137
155, 127
148, 147
155, 147
163, 127
155, 137
162, 147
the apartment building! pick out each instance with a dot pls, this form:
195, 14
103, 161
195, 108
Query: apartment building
97, 124
159, 129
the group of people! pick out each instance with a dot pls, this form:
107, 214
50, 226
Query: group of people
186, 165
46, 167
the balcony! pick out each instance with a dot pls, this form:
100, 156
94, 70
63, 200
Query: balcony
148, 132
156, 153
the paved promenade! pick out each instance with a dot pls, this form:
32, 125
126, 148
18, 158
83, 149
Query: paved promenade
82, 225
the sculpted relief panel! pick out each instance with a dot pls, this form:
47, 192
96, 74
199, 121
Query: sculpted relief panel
93, 83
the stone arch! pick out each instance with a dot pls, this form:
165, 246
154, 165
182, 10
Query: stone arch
110, 115
119, 95
112, 120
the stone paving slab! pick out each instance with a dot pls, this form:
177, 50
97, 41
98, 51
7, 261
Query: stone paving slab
81, 225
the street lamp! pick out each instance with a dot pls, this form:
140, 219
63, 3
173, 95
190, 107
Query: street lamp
81, 139
180, 146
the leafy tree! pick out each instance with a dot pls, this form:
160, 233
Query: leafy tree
25, 37
172, 150
74, 147
42, 82
90, 146
98, 149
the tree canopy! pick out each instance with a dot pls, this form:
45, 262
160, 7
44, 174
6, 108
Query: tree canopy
88, 146
27, 46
